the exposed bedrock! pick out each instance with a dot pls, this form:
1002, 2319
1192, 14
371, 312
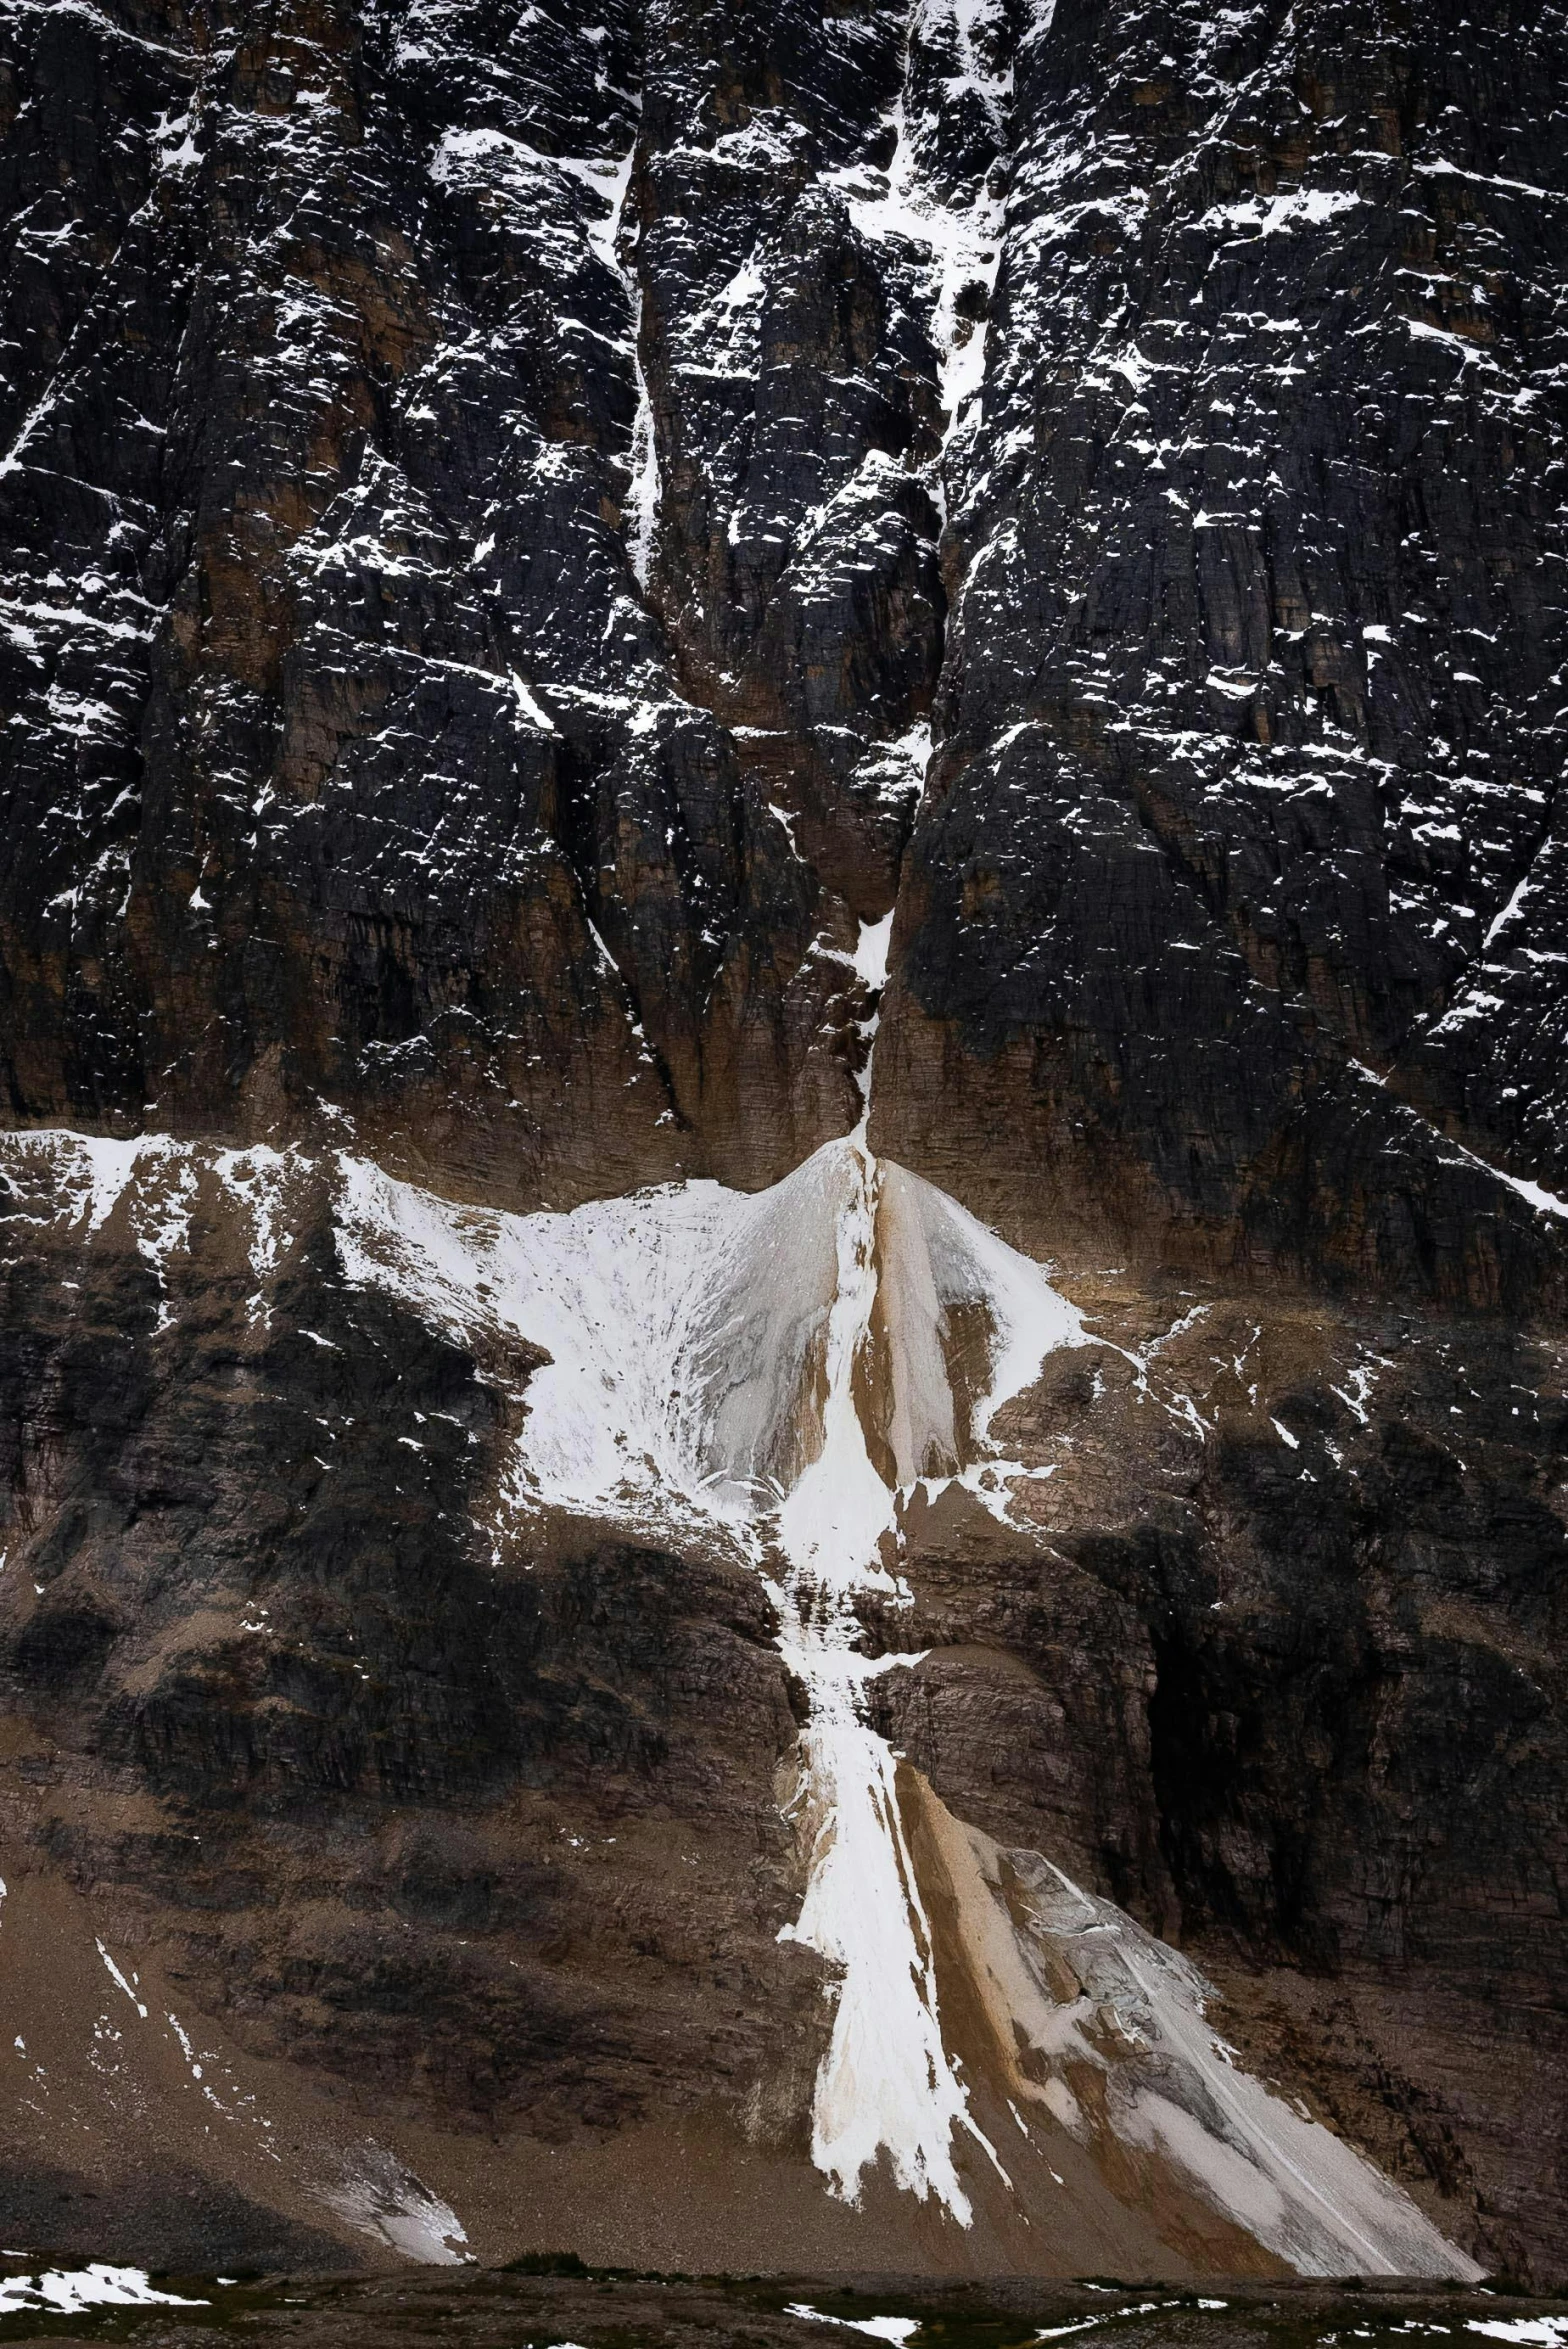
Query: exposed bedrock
431, 1834
434, 1742
548, 554
1238, 855
475, 495
1285, 1690
410, 719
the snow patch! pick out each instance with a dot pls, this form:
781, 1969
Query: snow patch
71, 2291
870, 956
1536, 2332
875, 2328
384, 2199
119, 1979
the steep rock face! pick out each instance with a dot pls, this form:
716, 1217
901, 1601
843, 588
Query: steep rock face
476, 633
530, 541
1283, 1679
1250, 731
378, 1728
454, 1833
292, 823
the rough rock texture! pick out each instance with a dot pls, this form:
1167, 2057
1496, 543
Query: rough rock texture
1242, 842
526, 538
372, 1747
1299, 1703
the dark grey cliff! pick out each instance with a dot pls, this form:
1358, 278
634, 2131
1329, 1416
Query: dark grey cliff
527, 538
1240, 858
475, 489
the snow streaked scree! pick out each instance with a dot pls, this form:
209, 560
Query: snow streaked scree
1132, 2062
384, 2199
778, 1372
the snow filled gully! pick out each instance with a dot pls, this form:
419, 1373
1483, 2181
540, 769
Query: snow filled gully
887, 2082
732, 1361
779, 1371
782, 1369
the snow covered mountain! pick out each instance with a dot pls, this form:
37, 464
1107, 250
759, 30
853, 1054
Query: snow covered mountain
781, 990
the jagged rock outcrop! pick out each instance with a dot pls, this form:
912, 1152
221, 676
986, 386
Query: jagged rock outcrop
532, 544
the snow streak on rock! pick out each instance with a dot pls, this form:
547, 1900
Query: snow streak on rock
382, 2198
709, 1352
154, 1180
955, 221
776, 1373
614, 182
735, 1361
1131, 2060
